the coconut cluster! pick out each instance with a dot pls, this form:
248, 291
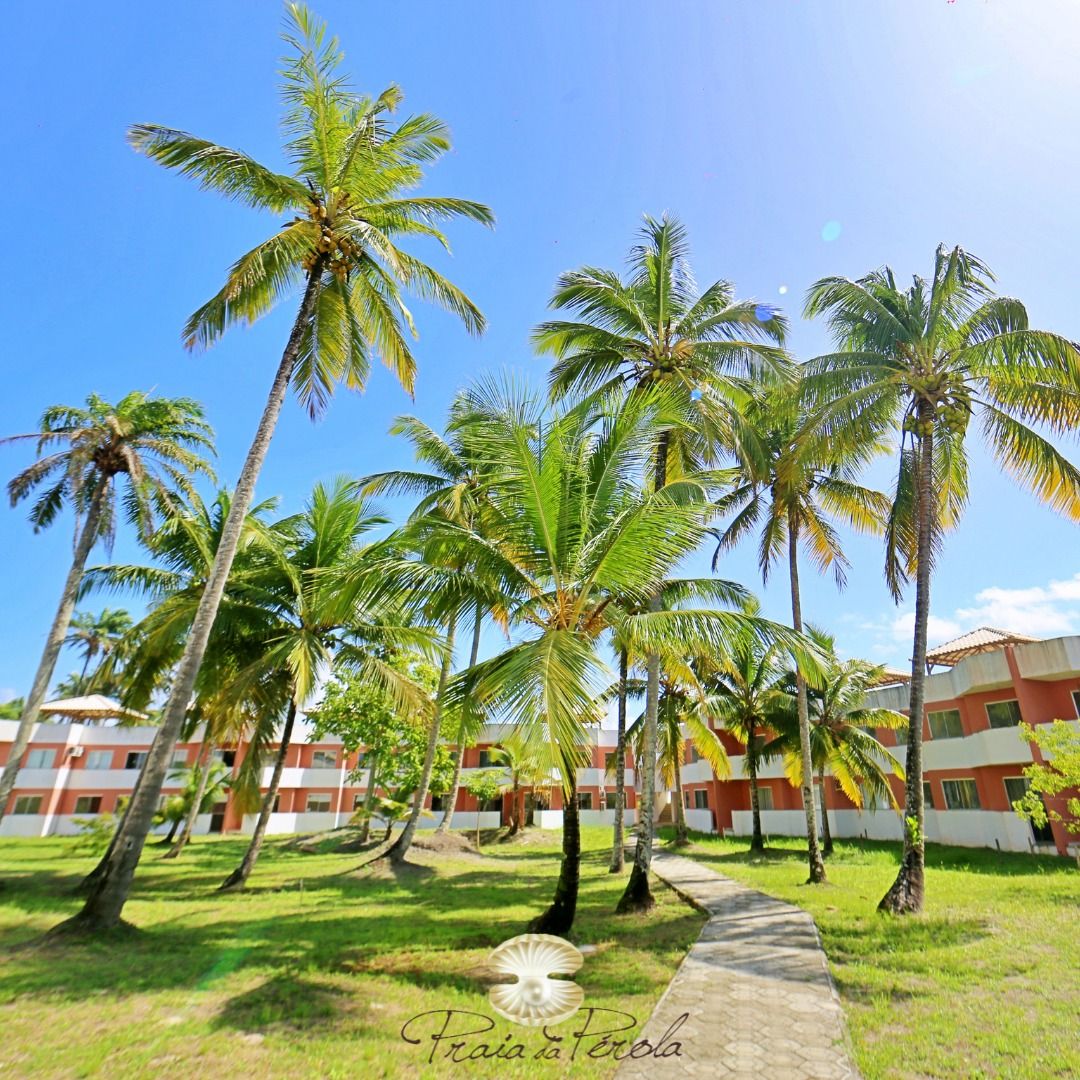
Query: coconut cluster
336, 249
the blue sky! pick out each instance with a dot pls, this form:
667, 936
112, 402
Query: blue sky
795, 139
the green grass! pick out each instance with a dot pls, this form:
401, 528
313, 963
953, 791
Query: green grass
986, 983
312, 972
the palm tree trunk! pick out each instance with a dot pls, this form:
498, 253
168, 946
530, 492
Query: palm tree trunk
637, 895
618, 840
515, 817
459, 757
105, 903
172, 832
369, 802
826, 833
238, 878
53, 643
193, 809
559, 917
401, 846
757, 841
906, 892
682, 834
817, 865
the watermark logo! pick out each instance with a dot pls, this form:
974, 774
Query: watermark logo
535, 998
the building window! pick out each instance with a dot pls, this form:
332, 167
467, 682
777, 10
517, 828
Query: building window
1076, 701
609, 761
318, 804
99, 759
491, 806
40, 759
324, 759
360, 760
1003, 713
1015, 787
485, 758
27, 804
358, 801
902, 734
960, 794
691, 754
277, 804
135, 759
88, 804
226, 757
927, 795
179, 759
701, 799
584, 800
687, 800
764, 798
945, 724
609, 799
438, 803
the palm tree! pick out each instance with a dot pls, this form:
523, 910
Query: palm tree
156, 444
569, 529
928, 359
653, 328
95, 634
682, 720
320, 627
351, 168
203, 784
808, 475
530, 766
841, 731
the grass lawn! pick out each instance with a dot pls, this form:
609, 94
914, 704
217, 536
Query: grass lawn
313, 971
986, 983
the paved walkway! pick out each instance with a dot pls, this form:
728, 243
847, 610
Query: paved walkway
756, 987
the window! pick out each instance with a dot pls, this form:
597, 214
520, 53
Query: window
584, 800
609, 761
1076, 701
226, 757
40, 759
437, 802
701, 799
277, 804
485, 758
358, 801
179, 759
1015, 787
945, 724
688, 801
88, 804
764, 798
960, 794
360, 760
1003, 713
135, 759
27, 804
609, 800
99, 759
927, 795
691, 754
318, 804
324, 759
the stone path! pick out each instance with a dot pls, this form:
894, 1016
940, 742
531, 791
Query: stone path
760, 1000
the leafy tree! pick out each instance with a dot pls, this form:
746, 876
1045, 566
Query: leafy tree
11, 710
484, 785
931, 358
841, 731
1052, 778
351, 169
145, 447
654, 329
802, 474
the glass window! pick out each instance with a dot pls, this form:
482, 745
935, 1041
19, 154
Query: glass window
491, 806
902, 734
609, 800
960, 794
226, 757
88, 804
609, 762
318, 804
688, 800
27, 804
701, 799
485, 759
927, 795
1076, 701
324, 759
1003, 713
1015, 787
945, 724
179, 759
99, 759
437, 802
584, 800
764, 797
40, 759
135, 759
358, 801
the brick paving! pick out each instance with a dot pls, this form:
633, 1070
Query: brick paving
756, 987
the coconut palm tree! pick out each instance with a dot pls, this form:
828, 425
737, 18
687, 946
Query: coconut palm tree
929, 359
347, 192
654, 328
841, 731
203, 784
95, 634
569, 529
148, 449
809, 475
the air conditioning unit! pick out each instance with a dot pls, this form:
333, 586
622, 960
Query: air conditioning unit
76, 751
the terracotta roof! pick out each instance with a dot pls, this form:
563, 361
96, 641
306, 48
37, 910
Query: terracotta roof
984, 639
890, 675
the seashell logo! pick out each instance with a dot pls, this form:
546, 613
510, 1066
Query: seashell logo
535, 998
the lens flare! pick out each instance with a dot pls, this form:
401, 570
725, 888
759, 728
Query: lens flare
830, 231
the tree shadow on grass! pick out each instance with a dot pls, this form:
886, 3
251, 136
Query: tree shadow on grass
287, 1001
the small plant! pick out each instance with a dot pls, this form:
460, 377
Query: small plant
485, 785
